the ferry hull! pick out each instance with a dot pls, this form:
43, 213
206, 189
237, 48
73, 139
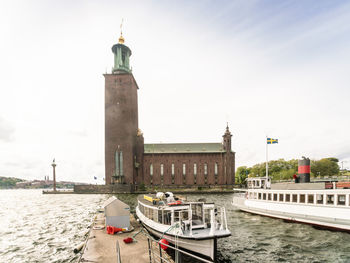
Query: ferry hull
295, 213
205, 247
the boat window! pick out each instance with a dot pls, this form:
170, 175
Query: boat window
184, 215
302, 198
254, 195
287, 197
269, 196
264, 196
319, 199
294, 198
176, 216
197, 214
251, 196
330, 199
310, 199
281, 197
167, 217
341, 200
275, 197
160, 216
259, 196
206, 216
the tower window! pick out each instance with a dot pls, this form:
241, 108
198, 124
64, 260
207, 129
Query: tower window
172, 169
119, 163
205, 169
151, 169
195, 169
184, 169
216, 169
161, 169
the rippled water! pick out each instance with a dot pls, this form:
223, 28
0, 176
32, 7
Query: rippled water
45, 228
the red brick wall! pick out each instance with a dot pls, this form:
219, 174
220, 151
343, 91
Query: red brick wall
178, 159
121, 123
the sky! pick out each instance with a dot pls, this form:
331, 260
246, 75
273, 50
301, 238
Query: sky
267, 68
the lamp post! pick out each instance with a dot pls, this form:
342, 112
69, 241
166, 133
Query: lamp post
54, 174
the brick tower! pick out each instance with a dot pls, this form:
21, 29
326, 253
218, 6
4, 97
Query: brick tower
121, 120
229, 160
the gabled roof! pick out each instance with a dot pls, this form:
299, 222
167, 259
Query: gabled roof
183, 148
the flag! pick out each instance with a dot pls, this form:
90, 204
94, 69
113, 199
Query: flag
272, 141
95, 177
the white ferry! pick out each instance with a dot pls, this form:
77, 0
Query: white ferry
326, 205
194, 226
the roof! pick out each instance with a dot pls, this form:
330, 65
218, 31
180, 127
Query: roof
183, 148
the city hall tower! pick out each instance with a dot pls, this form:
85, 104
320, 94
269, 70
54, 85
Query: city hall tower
122, 136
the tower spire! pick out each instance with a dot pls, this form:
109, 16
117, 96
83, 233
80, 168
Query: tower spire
121, 38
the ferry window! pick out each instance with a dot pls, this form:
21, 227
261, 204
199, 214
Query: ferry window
264, 196
259, 196
184, 215
294, 198
281, 197
275, 197
341, 200
269, 196
302, 198
160, 216
319, 199
330, 199
251, 195
150, 213
167, 217
310, 199
254, 195
287, 197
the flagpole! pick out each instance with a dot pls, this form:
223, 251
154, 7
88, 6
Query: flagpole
267, 161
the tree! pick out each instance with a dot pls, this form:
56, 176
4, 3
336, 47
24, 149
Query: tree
242, 174
325, 167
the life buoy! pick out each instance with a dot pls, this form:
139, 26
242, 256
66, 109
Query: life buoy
178, 202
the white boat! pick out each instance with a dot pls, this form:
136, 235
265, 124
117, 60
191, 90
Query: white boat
326, 205
193, 226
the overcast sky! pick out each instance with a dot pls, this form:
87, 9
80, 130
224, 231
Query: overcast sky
275, 68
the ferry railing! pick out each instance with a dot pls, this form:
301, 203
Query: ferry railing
160, 257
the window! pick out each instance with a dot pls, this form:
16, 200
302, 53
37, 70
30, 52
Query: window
341, 200
216, 169
269, 196
319, 199
302, 198
330, 199
151, 169
205, 169
275, 197
195, 169
259, 196
161, 169
294, 198
287, 197
184, 169
118, 163
264, 196
310, 199
172, 169
281, 197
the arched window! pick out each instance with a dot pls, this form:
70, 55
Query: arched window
119, 163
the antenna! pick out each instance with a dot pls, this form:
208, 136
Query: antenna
121, 27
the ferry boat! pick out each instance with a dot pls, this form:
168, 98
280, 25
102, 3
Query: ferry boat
325, 205
193, 226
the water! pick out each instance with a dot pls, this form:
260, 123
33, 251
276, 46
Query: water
45, 228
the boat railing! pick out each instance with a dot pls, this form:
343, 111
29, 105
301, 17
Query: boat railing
157, 254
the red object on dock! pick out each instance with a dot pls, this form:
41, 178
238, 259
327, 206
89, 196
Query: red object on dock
164, 244
111, 230
128, 240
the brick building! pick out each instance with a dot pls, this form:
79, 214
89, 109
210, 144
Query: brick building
129, 161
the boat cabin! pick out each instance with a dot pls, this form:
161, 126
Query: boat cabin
259, 182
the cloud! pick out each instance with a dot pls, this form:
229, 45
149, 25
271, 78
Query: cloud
6, 130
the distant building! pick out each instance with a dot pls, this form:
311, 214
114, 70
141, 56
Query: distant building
129, 161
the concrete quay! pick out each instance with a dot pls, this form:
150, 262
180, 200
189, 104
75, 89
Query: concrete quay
102, 247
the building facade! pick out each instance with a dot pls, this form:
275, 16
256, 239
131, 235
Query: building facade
129, 161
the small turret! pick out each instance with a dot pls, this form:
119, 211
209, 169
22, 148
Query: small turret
121, 56
227, 139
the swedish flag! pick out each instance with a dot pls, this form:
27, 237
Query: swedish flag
272, 141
